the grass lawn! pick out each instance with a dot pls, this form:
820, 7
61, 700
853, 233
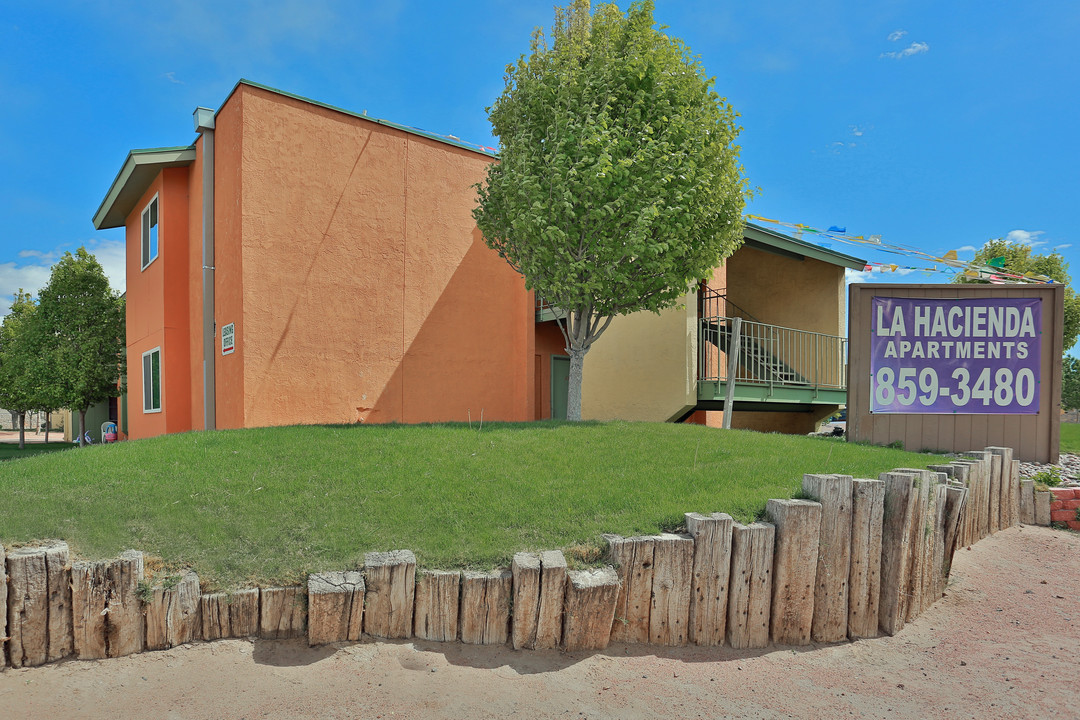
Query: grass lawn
11, 451
1070, 438
273, 504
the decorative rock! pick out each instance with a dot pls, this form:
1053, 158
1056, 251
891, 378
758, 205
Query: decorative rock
485, 607
437, 598
864, 590
552, 598
673, 571
282, 613
526, 571
108, 617
712, 569
390, 578
173, 614
38, 599
798, 529
633, 560
834, 555
750, 585
335, 607
591, 596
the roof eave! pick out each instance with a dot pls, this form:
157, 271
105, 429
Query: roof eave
138, 171
799, 247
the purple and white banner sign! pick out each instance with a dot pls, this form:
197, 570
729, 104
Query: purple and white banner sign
955, 356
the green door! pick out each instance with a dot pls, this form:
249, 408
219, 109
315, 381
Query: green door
560, 385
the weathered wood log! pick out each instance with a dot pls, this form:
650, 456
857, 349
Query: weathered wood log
173, 615
991, 470
712, 568
33, 594
798, 530
485, 607
934, 586
108, 614
750, 585
864, 585
633, 560
214, 610
549, 624
390, 578
1014, 502
591, 596
897, 519
979, 495
962, 474
244, 613
1027, 502
920, 543
526, 571
955, 502
335, 607
438, 594
830, 617
1042, 508
282, 612
1005, 486
3, 607
673, 575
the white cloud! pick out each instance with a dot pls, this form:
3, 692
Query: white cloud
858, 131
914, 48
1026, 237
858, 276
896, 35
32, 276
967, 248
171, 77
1066, 246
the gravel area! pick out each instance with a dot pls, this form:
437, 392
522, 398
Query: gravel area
1068, 465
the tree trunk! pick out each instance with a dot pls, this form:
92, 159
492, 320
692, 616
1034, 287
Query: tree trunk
573, 399
22, 430
82, 427
48, 421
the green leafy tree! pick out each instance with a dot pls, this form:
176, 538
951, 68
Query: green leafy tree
82, 323
1070, 383
22, 365
618, 184
1017, 258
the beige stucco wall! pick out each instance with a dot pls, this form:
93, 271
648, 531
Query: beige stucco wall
643, 367
805, 294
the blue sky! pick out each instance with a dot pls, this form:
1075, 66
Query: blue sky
935, 125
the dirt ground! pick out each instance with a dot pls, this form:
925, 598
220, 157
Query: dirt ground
1003, 643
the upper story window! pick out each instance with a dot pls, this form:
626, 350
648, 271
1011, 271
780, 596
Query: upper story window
150, 233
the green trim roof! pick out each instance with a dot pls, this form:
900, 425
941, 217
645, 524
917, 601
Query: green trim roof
138, 171
793, 246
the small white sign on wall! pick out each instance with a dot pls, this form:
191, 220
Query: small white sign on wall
228, 338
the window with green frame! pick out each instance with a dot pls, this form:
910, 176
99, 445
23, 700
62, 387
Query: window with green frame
151, 380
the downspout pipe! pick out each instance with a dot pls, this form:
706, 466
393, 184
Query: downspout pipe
204, 124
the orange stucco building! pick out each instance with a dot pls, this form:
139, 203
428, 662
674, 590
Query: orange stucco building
347, 280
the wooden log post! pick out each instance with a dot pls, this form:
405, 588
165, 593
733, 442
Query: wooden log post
3, 607
920, 543
485, 607
798, 529
750, 585
1027, 502
1042, 508
633, 560
896, 522
214, 611
1005, 486
230, 615
390, 578
108, 614
712, 568
335, 607
864, 585
955, 501
673, 575
1014, 502
934, 586
589, 610
978, 496
173, 615
549, 623
991, 469
438, 597
282, 612
962, 474
38, 600
526, 571
830, 620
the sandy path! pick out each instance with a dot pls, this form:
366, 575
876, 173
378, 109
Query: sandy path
1001, 644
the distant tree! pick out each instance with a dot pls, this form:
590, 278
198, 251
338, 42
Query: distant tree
618, 185
1070, 383
1018, 258
82, 323
22, 366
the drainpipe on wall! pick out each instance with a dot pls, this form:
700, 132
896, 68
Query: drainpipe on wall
204, 123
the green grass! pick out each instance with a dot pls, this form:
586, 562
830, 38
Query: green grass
1070, 438
273, 504
11, 451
